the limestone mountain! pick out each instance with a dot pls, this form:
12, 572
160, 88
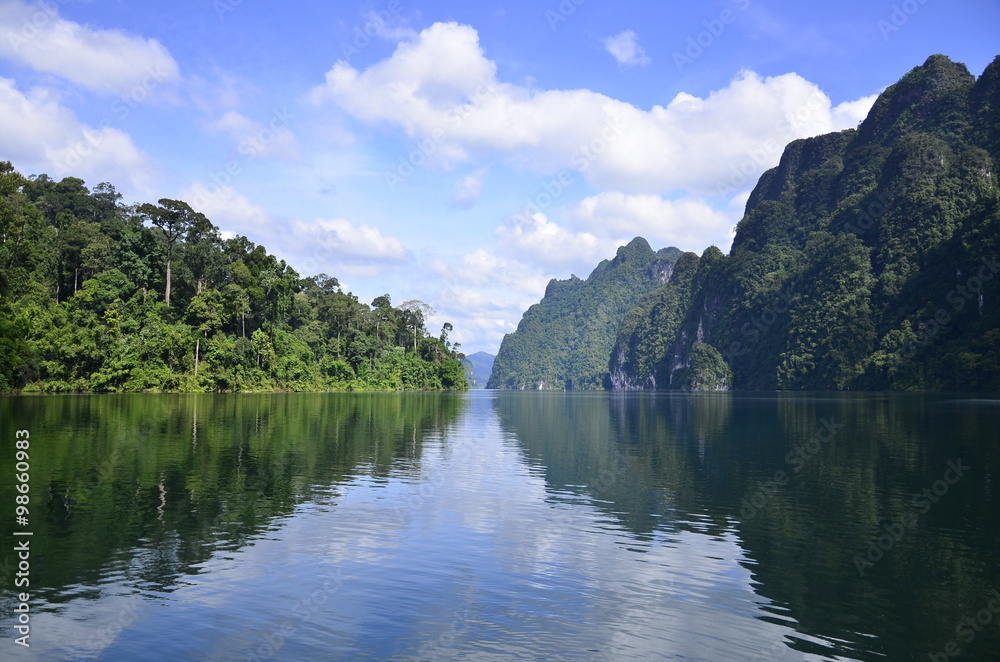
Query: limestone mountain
867, 259
563, 342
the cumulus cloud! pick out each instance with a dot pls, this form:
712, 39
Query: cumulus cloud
232, 212
253, 138
334, 246
537, 239
357, 250
583, 233
851, 113
99, 60
688, 223
485, 295
467, 189
388, 26
442, 85
480, 268
42, 135
625, 48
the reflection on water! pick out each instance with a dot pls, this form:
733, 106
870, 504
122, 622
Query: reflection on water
579, 526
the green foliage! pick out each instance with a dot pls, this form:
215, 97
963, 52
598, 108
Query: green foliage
847, 270
647, 334
867, 259
564, 341
708, 371
93, 299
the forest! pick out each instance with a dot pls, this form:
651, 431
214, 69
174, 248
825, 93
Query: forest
100, 296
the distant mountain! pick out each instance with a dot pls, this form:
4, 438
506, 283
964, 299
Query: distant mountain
866, 260
478, 368
563, 342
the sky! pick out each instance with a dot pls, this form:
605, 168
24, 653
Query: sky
458, 153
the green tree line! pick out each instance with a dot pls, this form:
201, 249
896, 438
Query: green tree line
96, 295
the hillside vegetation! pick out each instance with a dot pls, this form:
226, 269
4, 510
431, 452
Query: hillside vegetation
99, 296
564, 341
867, 259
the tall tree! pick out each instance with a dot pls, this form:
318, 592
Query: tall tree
200, 250
174, 218
417, 314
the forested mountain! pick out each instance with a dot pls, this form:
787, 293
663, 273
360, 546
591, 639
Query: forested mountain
867, 259
565, 340
99, 296
478, 368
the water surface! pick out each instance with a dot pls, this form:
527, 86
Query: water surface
496, 525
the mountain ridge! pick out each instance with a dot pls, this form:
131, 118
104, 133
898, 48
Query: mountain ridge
865, 260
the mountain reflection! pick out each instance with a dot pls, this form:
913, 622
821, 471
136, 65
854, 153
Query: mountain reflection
809, 483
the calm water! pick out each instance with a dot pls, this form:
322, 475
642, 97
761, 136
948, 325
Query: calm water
496, 526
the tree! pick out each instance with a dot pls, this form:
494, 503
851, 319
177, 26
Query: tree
200, 250
383, 313
174, 218
206, 312
416, 316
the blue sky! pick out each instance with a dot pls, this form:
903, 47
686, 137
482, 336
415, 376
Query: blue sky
458, 153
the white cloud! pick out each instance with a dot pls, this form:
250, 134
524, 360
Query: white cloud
688, 223
100, 60
337, 246
41, 135
216, 90
334, 246
387, 26
538, 240
232, 212
484, 295
253, 138
481, 268
467, 189
851, 113
442, 84
591, 230
626, 49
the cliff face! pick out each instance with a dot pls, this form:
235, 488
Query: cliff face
865, 260
563, 342
640, 343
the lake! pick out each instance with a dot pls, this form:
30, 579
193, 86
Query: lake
503, 525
